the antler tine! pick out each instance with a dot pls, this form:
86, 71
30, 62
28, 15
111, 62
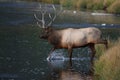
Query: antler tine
39, 21
43, 12
42, 21
45, 9
52, 18
54, 7
56, 14
61, 9
39, 25
37, 17
40, 7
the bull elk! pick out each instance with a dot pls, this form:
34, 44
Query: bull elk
69, 38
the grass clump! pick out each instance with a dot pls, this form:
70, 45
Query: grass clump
111, 6
67, 3
115, 7
111, 35
108, 65
107, 3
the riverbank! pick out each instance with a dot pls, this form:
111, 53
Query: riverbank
22, 13
109, 6
107, 67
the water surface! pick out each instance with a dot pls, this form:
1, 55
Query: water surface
23, 55
19, 13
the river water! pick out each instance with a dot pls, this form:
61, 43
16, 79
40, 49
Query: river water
23, 56
17, 13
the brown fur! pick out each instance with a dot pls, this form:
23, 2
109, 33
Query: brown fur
74, 38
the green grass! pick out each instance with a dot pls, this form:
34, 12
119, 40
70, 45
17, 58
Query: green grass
115, 7
111, 6
111, 35
107, 67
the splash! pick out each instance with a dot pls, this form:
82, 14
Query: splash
59, 55
56, 55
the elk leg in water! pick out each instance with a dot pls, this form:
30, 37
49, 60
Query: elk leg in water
92, 47
51, 51
70, 52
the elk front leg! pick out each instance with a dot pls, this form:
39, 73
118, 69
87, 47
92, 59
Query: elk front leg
49, 56
51, 51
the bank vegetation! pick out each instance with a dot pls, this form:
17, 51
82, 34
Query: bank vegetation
107, 67
110, 6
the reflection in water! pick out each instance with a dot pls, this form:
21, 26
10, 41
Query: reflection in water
65, 70
73, 75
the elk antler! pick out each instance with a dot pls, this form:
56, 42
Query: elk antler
42, 21
44, 12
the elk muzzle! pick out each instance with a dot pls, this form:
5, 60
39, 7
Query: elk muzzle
43, 36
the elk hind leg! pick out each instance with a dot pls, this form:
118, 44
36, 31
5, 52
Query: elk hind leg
70, 53
92, 47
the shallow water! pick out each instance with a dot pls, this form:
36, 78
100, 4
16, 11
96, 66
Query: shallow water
23, 56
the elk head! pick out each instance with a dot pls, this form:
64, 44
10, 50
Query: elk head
48, 15
46, 33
